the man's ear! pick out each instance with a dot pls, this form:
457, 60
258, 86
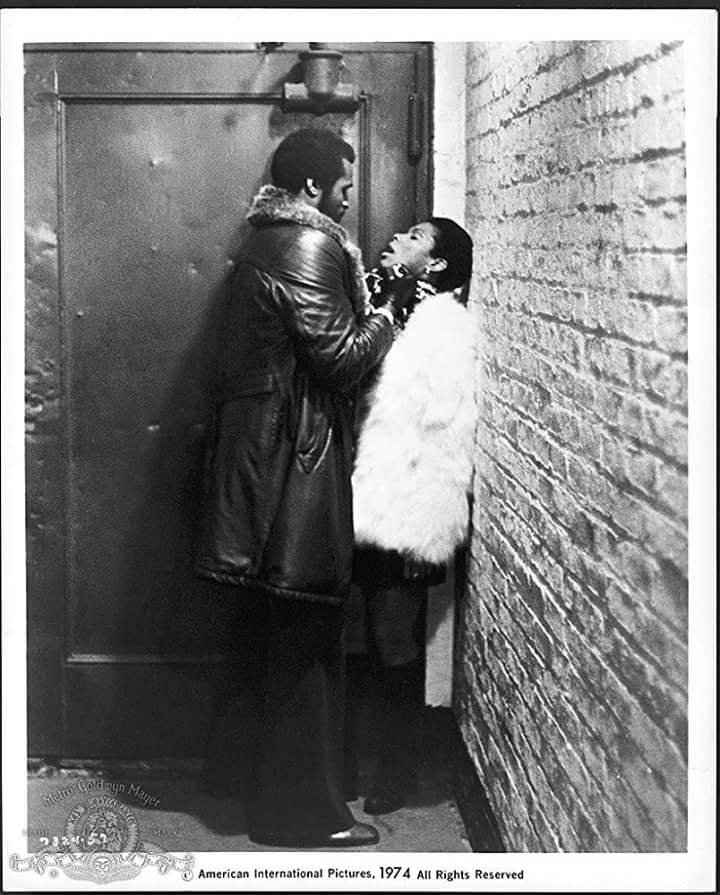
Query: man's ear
312, 187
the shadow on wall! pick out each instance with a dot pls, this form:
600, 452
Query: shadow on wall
183, 618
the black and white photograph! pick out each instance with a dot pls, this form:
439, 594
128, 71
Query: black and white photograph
359, 449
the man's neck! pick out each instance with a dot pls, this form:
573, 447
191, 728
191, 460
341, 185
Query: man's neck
312, 202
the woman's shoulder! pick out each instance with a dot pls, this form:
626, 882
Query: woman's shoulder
440, 317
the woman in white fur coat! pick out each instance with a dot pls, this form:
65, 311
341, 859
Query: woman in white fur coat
410, 484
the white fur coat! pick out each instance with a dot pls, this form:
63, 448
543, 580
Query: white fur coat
415, 451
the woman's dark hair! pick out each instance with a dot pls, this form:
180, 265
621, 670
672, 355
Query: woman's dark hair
311, 152
454, 245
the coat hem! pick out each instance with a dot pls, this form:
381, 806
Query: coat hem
408, 551
243, 580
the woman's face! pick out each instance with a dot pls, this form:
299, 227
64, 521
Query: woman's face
413, 249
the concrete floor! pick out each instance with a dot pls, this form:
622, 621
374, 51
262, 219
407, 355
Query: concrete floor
171, 810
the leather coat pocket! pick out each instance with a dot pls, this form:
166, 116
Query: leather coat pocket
244, 386
314, 430
250, 423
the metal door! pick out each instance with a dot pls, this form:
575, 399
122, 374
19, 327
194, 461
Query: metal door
140, 162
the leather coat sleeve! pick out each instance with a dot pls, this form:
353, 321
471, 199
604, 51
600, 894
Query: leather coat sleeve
336, 349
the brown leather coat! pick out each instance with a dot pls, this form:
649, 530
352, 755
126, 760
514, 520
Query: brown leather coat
295, 344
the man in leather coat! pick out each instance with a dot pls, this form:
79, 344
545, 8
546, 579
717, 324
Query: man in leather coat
298, 337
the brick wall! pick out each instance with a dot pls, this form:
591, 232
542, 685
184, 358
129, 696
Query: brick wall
571, 658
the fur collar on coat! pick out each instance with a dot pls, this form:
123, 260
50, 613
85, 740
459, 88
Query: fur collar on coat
415, 452
273, 204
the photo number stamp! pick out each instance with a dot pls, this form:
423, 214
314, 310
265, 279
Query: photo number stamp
101, 843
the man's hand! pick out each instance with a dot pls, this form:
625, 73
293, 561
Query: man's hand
398, 288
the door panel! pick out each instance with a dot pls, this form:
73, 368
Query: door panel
140, 166
153, 201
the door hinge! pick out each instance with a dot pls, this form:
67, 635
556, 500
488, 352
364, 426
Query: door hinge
416, 119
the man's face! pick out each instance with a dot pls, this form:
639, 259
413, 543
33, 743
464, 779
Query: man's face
334, 201
413, 249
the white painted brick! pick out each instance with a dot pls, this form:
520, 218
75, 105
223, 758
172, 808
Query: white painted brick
582, 446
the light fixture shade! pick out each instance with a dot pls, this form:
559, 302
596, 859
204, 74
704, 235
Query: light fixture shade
321, 72
321, 90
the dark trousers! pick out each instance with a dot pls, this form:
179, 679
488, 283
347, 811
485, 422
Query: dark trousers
293, 746
394, 616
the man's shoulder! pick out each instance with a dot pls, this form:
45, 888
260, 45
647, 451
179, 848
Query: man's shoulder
288, 238
293, 251
301, 232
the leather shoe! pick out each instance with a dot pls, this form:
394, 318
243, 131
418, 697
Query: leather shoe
384, 803
387, 797
357, 835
